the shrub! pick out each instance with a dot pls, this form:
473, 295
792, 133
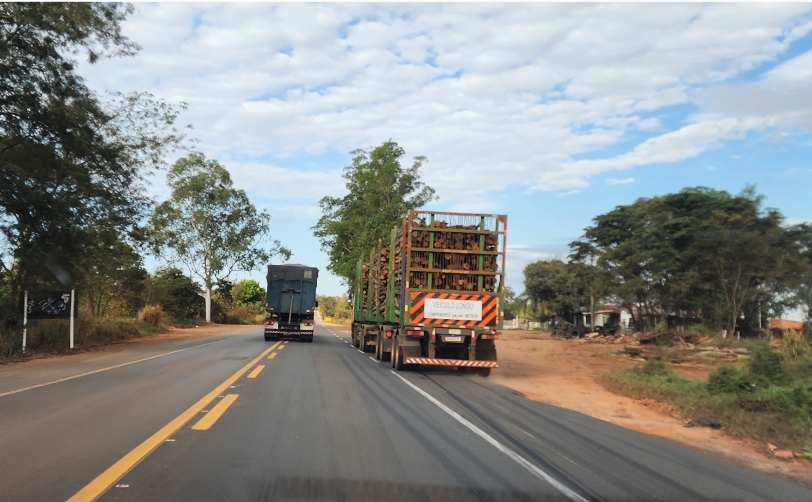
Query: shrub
768, 363
729, 379
655, 367
794, 343
152, 315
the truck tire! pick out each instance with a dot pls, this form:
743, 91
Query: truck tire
397, 358
378, 349
483, 372
267, 338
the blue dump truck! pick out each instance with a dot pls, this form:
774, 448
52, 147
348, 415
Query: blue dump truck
290, 302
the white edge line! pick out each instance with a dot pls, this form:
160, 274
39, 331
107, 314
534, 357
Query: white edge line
496, 444
374, 360
103, 369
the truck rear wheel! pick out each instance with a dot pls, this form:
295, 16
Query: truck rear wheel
378, 349
397, 358
484, 372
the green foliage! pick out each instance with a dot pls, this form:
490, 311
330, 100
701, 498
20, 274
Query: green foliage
656, 367
699, 251
336, 307
794, 343
561, 287
770, 399
208, 225
72, 162
729, 379
177, 294
247, 292
768, 364
381, 191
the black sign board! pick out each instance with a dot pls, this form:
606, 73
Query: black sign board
51, 305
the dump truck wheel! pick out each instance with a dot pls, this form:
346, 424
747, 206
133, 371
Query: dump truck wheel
378, 349
483, 372
267, 338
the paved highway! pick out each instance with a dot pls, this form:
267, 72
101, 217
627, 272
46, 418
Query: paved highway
235, 418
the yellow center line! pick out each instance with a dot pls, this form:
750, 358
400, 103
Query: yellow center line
282, 347
256, 371
208, 420
105, 480
273, 354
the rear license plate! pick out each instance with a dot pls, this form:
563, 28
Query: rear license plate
453, 339
455, 331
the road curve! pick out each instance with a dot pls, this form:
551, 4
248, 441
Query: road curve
324, 421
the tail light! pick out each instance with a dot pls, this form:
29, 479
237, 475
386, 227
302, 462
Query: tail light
308, 323
490, 336
268, 323
414, 332
388, 334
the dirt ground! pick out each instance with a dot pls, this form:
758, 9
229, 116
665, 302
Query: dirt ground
566, 374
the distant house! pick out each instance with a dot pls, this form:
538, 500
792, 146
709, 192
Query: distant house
786, 324
605, 315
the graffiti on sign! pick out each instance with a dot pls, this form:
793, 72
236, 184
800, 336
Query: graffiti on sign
51, 305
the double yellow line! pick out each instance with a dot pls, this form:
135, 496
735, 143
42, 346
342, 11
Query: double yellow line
105, 480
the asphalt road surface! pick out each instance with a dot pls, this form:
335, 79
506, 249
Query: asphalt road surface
196, 420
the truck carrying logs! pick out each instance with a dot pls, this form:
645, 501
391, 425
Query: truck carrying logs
432, 293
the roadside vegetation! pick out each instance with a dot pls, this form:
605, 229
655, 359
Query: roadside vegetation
767, 396
74, 207
335, 308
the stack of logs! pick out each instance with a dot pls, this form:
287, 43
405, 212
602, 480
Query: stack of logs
381, 278
455, 241
364, 289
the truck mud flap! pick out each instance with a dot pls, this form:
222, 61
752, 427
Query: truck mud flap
451, 362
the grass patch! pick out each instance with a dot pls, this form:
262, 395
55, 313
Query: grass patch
769, 400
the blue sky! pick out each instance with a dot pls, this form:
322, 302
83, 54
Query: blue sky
549, 113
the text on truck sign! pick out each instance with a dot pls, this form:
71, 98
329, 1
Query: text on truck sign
470, 310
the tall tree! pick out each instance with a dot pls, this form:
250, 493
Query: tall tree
209, 226
70, 161
558, 286
380, 191
741, 248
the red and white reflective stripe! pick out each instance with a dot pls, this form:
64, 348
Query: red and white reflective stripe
451, 362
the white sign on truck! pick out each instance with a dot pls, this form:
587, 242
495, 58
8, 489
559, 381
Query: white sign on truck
469, 310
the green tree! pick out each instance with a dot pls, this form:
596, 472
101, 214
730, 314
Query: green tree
802, 294
556, 286
740, 249
699, 252
175, 292
247, 292
111, 271
71, 161
209, 226
381, 191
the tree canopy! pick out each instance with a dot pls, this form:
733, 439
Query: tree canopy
380, 192
71, 162
209, 226
699, 253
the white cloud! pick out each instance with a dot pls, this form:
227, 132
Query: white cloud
616, 181
493, 94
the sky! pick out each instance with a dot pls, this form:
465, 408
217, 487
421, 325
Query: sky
549, 113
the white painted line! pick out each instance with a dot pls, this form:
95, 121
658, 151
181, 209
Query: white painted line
103, 369
361, 351
496, 444
374, 360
